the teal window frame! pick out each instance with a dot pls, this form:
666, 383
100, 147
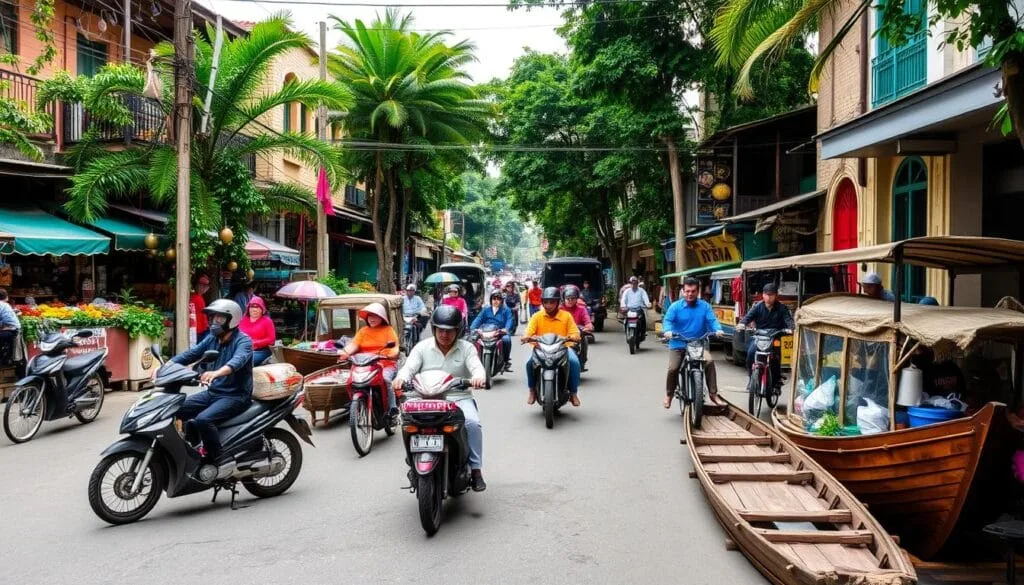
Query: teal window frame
897, 71
90, 56
8, 27
287, 124
910, 218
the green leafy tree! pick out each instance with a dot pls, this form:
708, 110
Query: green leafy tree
411, 95
18, 123
223, 193
490, 219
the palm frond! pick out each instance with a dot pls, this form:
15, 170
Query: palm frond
289, 197
116, 175
309, 92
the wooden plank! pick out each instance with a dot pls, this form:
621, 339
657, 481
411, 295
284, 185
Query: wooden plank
762, 456
789, 476
820, 537
728, 440
831, 516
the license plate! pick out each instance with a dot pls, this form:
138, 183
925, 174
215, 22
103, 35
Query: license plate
426, 443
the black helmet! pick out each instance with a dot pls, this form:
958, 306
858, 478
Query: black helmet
550, 294
570, 292
497, 295
446, 317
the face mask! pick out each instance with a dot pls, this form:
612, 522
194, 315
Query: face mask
218, 326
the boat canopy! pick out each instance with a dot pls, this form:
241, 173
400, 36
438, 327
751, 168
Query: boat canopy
957, 254
930, 325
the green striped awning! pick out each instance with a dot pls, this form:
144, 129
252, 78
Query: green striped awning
127, 235
36, 232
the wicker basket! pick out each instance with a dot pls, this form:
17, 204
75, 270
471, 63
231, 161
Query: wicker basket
326, 397
275, 381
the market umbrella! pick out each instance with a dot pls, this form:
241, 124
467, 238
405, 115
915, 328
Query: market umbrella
305, 290
441, 278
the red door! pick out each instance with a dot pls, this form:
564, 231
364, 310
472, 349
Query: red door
844, 226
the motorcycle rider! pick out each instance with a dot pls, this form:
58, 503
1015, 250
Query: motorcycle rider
228, 379
635, 298
512, 301
553, 320
571, 304
769, 313
587, 294
690, 317
452, 299
374, 338
445, 351
500, 315
413, 306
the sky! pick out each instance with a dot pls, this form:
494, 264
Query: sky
500, 35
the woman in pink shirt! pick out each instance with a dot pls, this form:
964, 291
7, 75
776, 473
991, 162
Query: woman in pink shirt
258, 326
453, 299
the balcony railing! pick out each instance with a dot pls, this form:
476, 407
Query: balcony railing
239, 140
355, 197
900, 70
149, 123
23, 88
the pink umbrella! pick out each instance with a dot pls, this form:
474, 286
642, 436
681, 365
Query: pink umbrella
305, 290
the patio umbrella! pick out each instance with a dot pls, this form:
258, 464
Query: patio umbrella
305, 290
441, 278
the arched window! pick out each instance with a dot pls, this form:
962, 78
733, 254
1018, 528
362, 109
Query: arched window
291, 110
910, 217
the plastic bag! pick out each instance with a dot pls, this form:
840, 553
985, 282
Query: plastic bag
951, 402
820, 401
872, 417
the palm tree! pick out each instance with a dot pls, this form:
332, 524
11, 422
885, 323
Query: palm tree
410, 94
223, 191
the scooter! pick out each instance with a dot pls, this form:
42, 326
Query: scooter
57, 386
633, 334
490, 348
368, 406
551, 371
690, 382
436, 444
582, 348
410, 332
155, 457
762, 385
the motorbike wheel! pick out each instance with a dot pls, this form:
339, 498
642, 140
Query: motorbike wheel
752, 397
599, 325
488, 364
428, 492
361, 425
772, 394
549, 403
288, 447
110, 488
18, 426
96, 392
697, 405
631, 341
391, 426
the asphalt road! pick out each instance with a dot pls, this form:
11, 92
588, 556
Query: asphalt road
604, 497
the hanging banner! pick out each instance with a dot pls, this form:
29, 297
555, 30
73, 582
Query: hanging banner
715, 250
714, 188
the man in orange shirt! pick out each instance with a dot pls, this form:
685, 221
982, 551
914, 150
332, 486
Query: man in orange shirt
533, 295
553, 320
374, 338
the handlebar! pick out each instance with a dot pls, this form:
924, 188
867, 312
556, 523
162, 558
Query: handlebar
679, 337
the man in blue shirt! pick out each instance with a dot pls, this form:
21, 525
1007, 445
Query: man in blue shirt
9, 328
690, 317
228, 380
500, 316
413, 305
871, 285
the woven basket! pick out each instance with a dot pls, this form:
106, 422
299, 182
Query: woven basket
324, 398
275, 381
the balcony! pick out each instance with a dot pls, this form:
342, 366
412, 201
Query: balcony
355, 197
23, 88
897, 71
149, 123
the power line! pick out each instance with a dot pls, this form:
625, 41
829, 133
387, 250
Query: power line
546, 3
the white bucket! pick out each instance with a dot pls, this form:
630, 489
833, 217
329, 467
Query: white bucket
911, 384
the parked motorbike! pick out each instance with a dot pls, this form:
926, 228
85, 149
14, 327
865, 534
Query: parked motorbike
155, 457
551, 372
690, 382
410, 332
762, 385
490, 348
436, 444
368, 406
56, 386
633, 334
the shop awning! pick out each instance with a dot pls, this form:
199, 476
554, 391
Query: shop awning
702, 270
127, 235
38, 233
774, 207
260, 248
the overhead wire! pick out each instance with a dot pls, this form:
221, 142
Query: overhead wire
543, 4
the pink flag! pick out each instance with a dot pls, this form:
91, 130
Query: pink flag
323, 192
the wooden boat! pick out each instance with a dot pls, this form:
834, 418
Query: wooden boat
795, 523
305, 361
933, 486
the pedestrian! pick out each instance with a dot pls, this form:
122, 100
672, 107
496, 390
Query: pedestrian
197, 304
534, 297
10, 326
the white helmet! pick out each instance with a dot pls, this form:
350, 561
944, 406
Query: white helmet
411, 287
228, 308
374, 309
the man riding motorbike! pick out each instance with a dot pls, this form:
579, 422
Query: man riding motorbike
691, 317
635, 298
512, 301
587, 294
769, 313
228, 379
571, 304
499, 315
553, 320
445, 351
374, 338
413, 306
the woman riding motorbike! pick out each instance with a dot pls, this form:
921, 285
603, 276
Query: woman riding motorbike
500, 315
374, 338
571, 304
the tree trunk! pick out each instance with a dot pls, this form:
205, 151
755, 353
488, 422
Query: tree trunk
403, 237
678, 204
387, 267
379, 236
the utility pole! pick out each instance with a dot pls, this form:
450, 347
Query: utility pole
678, 203
183, 69
127, 31
322, 248
444, 235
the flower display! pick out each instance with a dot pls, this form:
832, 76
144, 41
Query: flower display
136, 320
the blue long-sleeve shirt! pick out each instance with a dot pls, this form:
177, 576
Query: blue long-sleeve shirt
502, 318
690, 321
778, 317
235, 354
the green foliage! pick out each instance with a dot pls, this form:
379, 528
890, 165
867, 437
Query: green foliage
140, 321
338, 284
830, 426
490, 219
17, 123
42, 17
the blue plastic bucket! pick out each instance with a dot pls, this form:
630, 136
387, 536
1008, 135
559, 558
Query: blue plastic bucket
929, 415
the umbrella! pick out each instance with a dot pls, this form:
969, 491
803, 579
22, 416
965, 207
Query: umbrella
305, 290
441, 278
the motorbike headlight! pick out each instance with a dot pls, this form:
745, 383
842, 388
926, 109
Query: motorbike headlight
695, 351
549, 362
763, 343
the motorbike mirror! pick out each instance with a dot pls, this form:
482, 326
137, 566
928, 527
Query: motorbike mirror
155, 350
209, 355
83, 333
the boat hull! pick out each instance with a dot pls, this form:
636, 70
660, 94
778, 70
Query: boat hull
306, 362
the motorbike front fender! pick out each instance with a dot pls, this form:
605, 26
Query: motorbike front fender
31, 379
301, 428
133, 444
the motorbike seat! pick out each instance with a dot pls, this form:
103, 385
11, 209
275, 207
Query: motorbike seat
80, 363
254, 410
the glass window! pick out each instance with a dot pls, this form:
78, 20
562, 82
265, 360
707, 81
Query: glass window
867, 385
91, 56
302, 118
334, 323
822, 395
805, 368
8, 27
909, 218
287, 117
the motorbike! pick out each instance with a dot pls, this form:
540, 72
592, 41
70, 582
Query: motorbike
56, 386
155, 456
690, 382
598, 312
410, 332
582, 348
368, 406
436, 444
632, 327
761, 386
551, 372
490, 348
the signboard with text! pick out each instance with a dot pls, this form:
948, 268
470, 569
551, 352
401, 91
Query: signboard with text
715, 250
714, 188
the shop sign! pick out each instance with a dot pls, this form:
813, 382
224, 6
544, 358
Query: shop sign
714, 189
715, 250
98, 340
